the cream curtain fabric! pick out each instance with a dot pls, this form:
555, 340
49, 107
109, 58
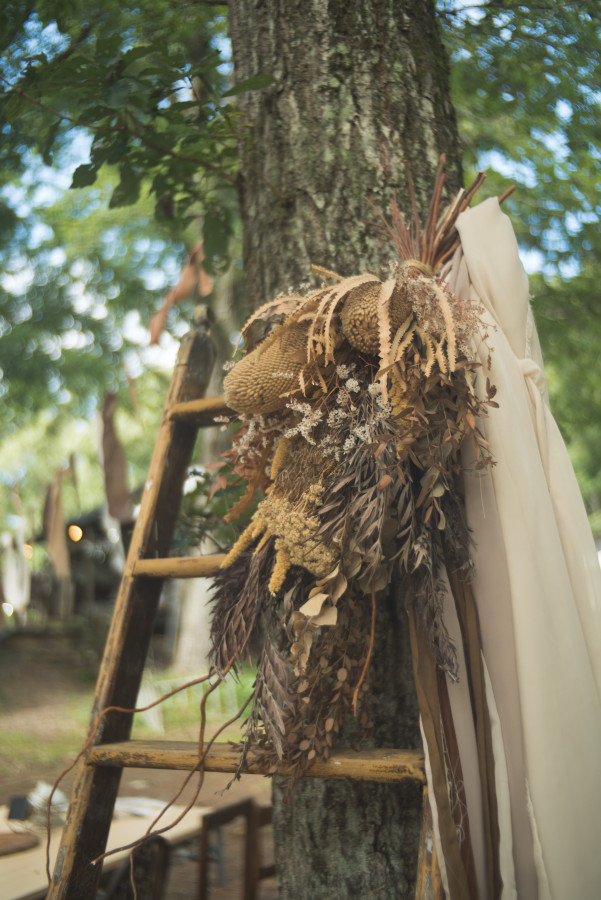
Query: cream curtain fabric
538, 590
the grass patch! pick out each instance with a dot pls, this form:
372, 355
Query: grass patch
38, 739
20, 752
178, 718
42, 739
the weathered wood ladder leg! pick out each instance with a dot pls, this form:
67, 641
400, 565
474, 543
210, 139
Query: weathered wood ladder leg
99, 771
95, 789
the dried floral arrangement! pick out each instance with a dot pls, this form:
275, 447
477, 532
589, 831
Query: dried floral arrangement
353, 408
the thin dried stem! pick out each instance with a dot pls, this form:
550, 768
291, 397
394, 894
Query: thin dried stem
507, 193
326, 273
369, 649
90, 740
198, 769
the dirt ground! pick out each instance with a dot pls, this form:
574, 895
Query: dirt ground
34, 680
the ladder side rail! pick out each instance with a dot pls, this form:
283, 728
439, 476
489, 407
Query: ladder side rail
95, 789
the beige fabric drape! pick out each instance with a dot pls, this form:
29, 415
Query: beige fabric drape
538, 590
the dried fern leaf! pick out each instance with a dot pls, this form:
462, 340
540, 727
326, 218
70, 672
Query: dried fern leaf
384, 331
440, 356
428, 343
449, 324
239, 599
326, 273
246, 501
341, 292
281, 305
243, 504
332, 296
395, 351
386, 292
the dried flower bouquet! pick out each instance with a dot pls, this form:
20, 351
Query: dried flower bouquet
354, 409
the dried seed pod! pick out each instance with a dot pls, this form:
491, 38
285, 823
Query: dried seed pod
260, 382
359, 315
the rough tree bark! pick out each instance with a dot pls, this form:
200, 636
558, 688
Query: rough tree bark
360, 88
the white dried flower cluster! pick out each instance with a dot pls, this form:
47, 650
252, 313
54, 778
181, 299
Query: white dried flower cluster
310, 420
299, 407
332, 451
343, 371
364, 433
337, 417
257, 436
327, 440
229, 365
224, 421
352, 425
352, 385
375, 390
383, 411
330, 442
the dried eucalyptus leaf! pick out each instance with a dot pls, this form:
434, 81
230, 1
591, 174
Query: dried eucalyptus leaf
327, 616
340, 586
313, 605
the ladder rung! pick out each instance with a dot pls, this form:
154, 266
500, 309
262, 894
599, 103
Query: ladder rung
359, 765
201, 412
179, 566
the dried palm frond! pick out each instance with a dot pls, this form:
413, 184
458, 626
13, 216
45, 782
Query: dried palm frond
240, 597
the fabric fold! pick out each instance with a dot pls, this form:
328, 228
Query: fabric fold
537, 586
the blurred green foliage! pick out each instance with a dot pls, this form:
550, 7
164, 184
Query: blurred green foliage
133, 107
526, 87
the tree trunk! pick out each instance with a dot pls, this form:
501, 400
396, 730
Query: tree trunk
360, 90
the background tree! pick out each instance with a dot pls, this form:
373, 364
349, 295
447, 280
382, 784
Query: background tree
360, 91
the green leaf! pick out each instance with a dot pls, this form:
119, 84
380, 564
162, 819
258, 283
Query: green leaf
84, 176
254, 83
128, 189
48, 142
111, 150
119, 93
8, 220
217, 232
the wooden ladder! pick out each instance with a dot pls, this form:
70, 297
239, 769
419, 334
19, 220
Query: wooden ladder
99, 771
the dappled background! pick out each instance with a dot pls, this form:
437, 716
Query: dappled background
118, 163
